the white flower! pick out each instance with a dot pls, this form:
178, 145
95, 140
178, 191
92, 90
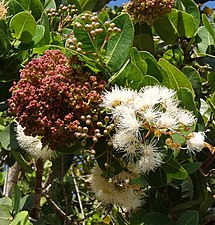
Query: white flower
167, 121
116, 190
150, 115
129, 122
196, 141
118, 96
186, 117
152, 95
150, 160
32, 145
127, 143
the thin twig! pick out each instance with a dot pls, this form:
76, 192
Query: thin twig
56, 208
48, 180
78, 195
63, 187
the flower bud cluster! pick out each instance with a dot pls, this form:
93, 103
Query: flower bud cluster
3, 11
90, 23
148, 11
51, 98
64, 13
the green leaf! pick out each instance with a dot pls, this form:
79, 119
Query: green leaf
50, 4
192, 167
44, 21
183, 23
4, 37
138, 61
143, 38
154, 69
5, 211
187, 100
176, 77
23, 26
22, 162
39, 33
174, 170
166, 30
208, 26
16, 198
27, 202
190, 217
187, 189
34, 6
21, 219
157, 219
6, 201
148, 80
194, 77
119, 46
192, 9
206, 41
8, 138
129, 75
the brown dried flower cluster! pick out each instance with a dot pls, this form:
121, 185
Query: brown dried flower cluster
52, 97
148, 11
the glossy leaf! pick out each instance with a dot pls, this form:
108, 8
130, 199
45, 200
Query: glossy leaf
154, 69
129, 75
21, 219
208, 26
176, 77
183, 22
166, 30
192, 9
39, 33
187, 100
190, 217
138, 61
143, 38
16, 198
5, 210
192, 167
206, 41
157, 218
23, 26
8, 138
119, 46
44, 21
194, 77
174, 170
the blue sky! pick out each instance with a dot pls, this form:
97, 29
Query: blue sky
120, 2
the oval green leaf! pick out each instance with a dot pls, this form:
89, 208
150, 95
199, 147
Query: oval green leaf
119, 46
23, 26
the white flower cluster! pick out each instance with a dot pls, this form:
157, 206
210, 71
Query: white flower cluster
116, 190
141, 118
32, 145
154, 110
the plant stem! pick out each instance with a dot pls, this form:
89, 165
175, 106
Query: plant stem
11, 179
38, 189
78, 195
